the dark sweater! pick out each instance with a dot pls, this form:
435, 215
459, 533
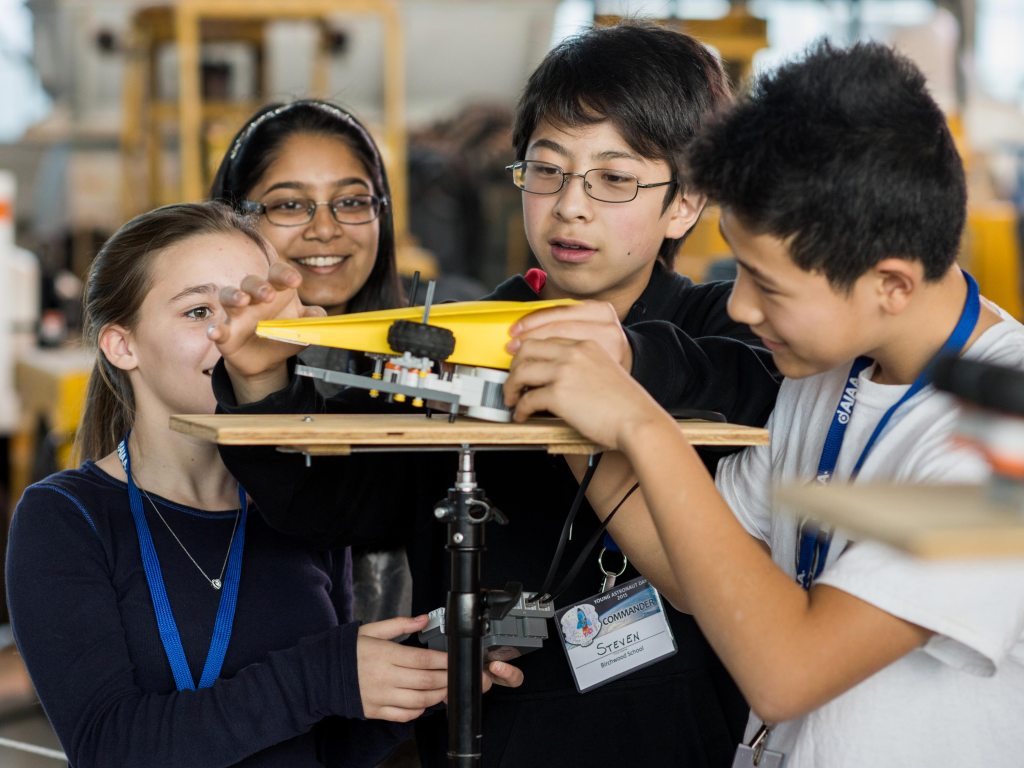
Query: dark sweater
682, 711
85, 624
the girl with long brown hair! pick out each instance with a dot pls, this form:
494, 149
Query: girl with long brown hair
162, 622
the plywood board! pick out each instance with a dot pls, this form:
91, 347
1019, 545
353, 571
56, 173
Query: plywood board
933, 521
325, 434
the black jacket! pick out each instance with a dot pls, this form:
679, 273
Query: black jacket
682, 711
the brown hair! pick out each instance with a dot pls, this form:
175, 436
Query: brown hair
118, 281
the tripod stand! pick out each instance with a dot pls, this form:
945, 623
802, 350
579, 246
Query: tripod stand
466, 511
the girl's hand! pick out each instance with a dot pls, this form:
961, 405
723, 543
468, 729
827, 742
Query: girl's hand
398, 682
502, 673
581, 383
257, 366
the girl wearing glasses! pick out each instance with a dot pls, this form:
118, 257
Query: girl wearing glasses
162, 622
313, 178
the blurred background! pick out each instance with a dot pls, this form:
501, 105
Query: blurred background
111, 107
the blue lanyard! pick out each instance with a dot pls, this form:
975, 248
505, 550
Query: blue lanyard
814, 542
168, 628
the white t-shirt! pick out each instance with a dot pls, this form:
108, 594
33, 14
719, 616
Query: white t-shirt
959, 700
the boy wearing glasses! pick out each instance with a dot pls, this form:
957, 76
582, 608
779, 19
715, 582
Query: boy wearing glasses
843, 198
601, 131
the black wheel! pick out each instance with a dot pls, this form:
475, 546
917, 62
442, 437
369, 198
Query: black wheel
421, 339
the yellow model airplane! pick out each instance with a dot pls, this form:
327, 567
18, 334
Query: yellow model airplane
455, 362
480, 329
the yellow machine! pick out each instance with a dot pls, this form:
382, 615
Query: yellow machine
480, 329
456, 362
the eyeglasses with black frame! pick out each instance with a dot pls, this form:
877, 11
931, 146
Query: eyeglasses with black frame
291, 211
603, 184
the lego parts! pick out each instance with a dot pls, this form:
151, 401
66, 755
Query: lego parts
456, 363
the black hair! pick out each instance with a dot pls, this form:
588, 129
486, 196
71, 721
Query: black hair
656, 86
845, 155
256, 146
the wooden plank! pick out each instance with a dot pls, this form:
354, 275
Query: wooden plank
324, 434
932, 521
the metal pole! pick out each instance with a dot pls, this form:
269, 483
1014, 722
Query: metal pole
466, 514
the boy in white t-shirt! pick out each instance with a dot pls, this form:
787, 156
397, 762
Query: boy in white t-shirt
843, 199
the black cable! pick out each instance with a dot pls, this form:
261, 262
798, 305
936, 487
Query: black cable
581, 493
589, 548
545, 595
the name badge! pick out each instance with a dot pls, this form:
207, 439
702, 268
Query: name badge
614, 633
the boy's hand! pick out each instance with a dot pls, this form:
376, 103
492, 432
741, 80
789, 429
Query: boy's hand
590, 320
398, 682
257, 366
581, 383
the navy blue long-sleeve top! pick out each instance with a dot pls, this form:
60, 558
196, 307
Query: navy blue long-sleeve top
83, 619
